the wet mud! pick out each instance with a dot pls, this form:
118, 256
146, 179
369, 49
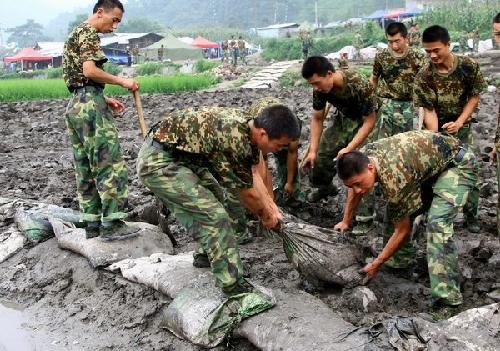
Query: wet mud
73, 306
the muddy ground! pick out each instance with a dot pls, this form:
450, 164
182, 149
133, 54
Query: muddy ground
68, 305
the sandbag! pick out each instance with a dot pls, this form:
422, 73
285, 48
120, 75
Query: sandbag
11, 241
100, 253
301, 322
204, 315
168, 274
321, 254
34, 222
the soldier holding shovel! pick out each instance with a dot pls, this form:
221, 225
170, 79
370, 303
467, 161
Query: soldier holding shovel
101, 172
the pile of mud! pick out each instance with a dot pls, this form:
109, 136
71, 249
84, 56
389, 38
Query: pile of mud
76, 307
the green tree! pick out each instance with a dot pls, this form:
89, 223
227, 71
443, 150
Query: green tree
140, 25
78, 19
26, 35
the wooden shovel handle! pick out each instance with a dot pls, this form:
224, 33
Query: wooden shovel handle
140, 113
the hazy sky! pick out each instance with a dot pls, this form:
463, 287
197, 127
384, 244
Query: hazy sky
14, 13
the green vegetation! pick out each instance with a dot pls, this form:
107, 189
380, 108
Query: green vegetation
205, 65
292, 78
23, 89
54, 72
152, 68
461, 16
112, 68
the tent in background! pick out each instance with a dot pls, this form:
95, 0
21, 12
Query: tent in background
174, 49
28, 55
203, 43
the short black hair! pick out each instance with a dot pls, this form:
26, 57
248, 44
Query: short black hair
395, 28
319, 65
496, 19
108, 5
278, 121
351, 164
435, 33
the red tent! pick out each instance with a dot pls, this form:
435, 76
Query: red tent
27, 55
203, 43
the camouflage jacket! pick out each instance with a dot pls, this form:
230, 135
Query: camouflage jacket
354, 100
396, 74
83, 45
414, 38
343, 64
241, 44
405, 162
217, 137
448, 93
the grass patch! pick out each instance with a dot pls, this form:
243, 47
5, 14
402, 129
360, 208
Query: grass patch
292, 78
36, 89
206, 65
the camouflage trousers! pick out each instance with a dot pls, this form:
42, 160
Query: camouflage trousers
450, 193
281, 158
101, 172
195, 198
394, 117
334, 138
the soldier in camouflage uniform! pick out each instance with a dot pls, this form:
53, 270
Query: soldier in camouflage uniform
464, 42
101, 172
475, 40
288, 183
354, 98
357, 42
193, 159
242, 50
414, 37
394, 70
343, 62
225, 51
448, 88
416, 171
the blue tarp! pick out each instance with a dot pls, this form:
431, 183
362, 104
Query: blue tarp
412, 12
379, 14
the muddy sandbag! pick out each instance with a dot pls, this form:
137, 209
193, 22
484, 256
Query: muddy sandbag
474, 329
11, 241
321, 254
168, 274
204, 315
301, 322
34, 222
148, 240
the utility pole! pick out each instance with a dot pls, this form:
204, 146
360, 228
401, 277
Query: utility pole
316, 13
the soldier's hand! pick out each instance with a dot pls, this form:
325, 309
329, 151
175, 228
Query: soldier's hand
371, 270
341, 226
288, 188
342, 152
272, 220
130, 84
308, 162
115, 105
452, 127
493, 154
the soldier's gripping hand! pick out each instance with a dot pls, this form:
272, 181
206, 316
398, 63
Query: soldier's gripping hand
308, 162
452, 127
271, 220
371, 269
115, 105
130, 84
341, 226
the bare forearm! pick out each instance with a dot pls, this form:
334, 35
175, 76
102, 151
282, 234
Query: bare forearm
351, 205
363, 132
374, 81
401, 231
430, 119
469, 108
291, 165
316, 130
100, 76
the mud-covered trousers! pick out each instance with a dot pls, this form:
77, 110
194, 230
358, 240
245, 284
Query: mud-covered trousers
395, 116
193, 196
334, 138
101, 172
450, 193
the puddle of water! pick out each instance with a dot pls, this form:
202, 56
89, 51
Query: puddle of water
13, 337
